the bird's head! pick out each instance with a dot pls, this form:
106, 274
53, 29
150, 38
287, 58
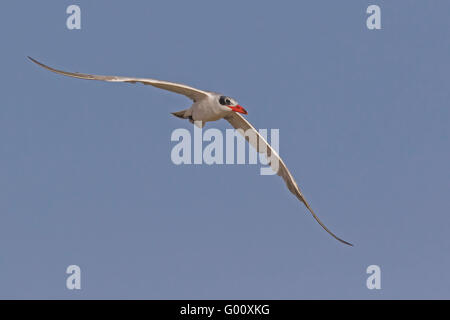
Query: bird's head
231, 104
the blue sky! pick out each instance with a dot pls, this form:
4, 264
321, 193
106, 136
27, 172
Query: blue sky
86, 176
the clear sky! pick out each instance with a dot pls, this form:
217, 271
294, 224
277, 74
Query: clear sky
86, 176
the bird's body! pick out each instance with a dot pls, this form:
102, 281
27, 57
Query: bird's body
211, 106
207, 109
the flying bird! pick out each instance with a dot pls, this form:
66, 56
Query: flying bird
212, 106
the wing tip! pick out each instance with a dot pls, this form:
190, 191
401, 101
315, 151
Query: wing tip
323, 225
35, 61
347, 243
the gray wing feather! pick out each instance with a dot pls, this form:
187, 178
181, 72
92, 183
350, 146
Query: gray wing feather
192, 93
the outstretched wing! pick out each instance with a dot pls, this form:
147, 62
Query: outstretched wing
239, 122
192, 93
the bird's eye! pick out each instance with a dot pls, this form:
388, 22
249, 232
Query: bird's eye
224, 100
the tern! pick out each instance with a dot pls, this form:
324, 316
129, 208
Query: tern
211, 106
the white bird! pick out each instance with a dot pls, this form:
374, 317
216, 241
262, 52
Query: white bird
211, 106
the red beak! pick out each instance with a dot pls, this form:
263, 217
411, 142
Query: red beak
238, 108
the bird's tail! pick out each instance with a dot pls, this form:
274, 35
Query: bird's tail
181, 114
